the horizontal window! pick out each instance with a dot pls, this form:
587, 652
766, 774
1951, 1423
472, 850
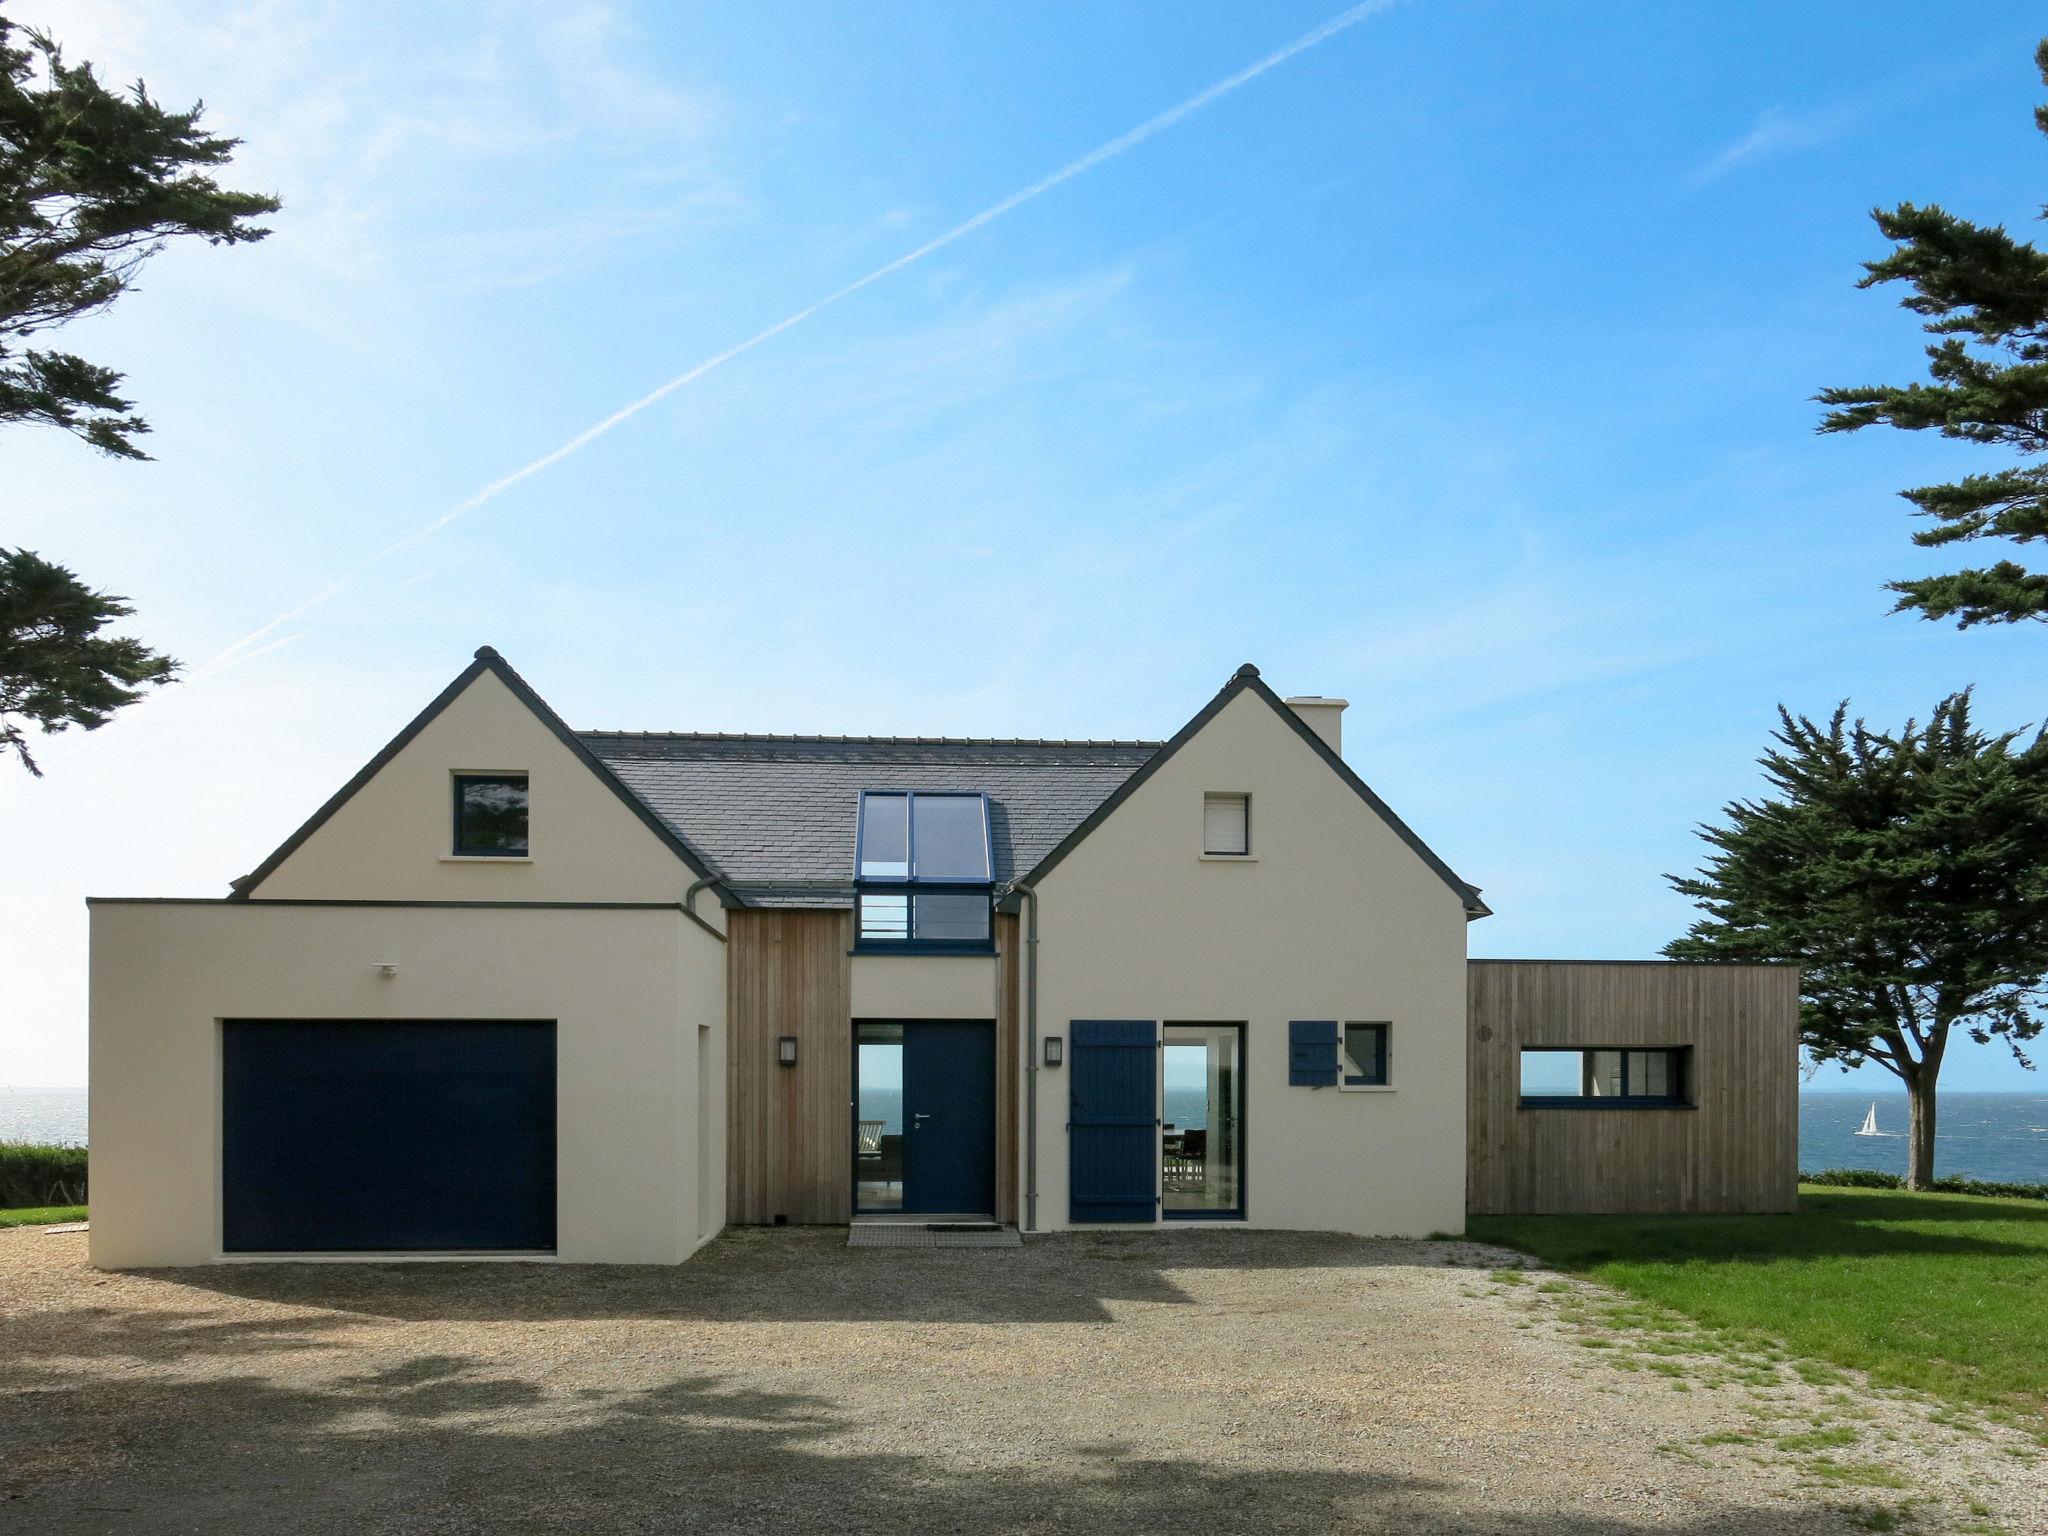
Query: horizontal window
490, 815
1227, 824
1600, 1075
955, 919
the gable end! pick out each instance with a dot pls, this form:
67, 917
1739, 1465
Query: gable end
1247, 678
487, 660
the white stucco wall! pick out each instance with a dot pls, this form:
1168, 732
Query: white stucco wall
924, 986
391, 840
1332, 917
629, 990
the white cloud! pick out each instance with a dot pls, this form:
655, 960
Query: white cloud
388, 131
1776, 132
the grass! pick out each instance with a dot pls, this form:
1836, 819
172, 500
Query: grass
41, 1215
1947, 1294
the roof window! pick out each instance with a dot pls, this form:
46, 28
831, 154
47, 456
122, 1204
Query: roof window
923, 871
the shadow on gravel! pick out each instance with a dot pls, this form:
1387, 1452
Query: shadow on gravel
450, 1444
161, 1415
804, 1275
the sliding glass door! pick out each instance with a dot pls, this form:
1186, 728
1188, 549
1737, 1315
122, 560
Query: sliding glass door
1202, 1120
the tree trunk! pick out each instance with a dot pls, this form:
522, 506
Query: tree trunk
1920, 1143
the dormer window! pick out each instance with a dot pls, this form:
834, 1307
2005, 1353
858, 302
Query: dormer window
923, 871
490, 816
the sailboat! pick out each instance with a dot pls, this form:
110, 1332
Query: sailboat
1869, 1125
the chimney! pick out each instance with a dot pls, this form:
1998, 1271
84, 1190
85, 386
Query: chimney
1323, 716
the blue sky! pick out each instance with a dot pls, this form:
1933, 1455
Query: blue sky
1459, 365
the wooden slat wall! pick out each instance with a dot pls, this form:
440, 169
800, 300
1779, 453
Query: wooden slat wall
790, 1129
1737, 1151
1009, 1060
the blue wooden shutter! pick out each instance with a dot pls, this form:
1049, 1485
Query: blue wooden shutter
1312, 1053
1113, 1120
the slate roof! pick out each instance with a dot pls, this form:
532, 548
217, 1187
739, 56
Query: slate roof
774, 815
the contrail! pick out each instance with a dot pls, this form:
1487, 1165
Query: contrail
1117, 146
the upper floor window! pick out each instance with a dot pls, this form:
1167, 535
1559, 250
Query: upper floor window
490, 815
923, 870
1552, 1076
1227, 824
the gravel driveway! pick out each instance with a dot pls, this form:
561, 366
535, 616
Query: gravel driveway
1202, 1381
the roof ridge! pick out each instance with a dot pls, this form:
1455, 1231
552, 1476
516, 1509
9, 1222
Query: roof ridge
877, 741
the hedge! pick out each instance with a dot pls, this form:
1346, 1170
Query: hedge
39, 1175
1870, 1178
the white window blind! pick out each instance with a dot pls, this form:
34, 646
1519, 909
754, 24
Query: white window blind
1227, 824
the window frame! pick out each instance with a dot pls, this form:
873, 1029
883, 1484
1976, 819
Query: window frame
456, 782
1359, 1083
1244, 795
910, 886
1680, 1097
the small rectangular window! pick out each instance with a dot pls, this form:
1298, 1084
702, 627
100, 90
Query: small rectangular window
1227, 824
1365, 1055
1552, 1075
490, 815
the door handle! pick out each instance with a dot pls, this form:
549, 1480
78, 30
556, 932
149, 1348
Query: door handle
918, 1119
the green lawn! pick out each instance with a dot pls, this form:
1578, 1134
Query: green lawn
1945, 1293
41, 1215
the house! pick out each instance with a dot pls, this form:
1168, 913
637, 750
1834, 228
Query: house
518, 989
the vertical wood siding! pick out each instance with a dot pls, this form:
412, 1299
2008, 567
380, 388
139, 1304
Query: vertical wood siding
790, 1136
790, 1129
1738, 1150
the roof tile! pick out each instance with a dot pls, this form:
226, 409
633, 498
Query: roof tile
775, 814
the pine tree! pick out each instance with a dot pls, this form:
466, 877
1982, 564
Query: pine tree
1907, 875
56, 669
1985, 298
93, 182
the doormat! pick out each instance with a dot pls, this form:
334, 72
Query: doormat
871, 1234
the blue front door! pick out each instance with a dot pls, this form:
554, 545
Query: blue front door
949, 1117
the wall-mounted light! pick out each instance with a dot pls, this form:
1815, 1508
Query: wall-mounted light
1055, 1050
385, 968
785, 1050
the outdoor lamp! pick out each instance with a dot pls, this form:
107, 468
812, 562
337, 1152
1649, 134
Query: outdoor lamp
785, 1050
1055, 1050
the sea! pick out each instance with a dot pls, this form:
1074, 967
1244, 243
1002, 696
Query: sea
49, 1116
2002, 1137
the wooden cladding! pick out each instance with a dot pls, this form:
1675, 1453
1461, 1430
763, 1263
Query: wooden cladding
790, 1138
790, 1129
1734, 1147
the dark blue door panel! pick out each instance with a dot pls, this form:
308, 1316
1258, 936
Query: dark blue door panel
949, 1117
341, 1134
1113, 1121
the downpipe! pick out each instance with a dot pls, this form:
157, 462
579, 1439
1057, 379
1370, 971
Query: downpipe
1031, 1063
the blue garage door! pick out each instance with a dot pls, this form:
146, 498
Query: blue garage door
342, 1135
1113, 1124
